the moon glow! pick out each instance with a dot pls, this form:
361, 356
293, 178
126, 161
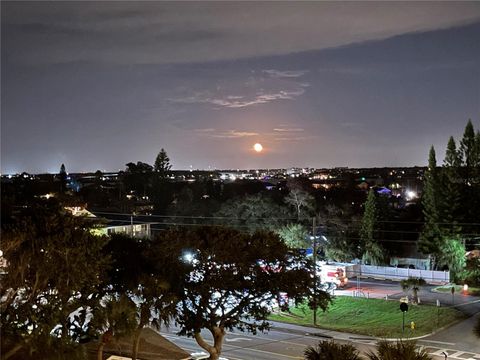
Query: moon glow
258, 147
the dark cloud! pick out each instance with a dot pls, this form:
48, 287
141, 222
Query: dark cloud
173, 32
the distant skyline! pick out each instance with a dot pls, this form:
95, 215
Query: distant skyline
95, 85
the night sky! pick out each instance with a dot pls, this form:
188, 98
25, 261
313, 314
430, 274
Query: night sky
95, 85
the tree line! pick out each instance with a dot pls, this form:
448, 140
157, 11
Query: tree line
358, 225
451, 199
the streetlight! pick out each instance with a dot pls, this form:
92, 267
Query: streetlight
188, 257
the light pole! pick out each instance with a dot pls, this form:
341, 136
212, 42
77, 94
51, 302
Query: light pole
438, 314
403, 309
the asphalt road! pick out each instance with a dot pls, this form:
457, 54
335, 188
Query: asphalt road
283, 344
285, 341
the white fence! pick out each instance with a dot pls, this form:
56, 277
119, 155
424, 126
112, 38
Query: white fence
393, 273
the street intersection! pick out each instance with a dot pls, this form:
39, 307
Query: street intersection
286, 341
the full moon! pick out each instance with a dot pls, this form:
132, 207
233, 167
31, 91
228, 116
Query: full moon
258, 147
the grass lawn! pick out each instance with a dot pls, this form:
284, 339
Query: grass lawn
374, 317
475, 291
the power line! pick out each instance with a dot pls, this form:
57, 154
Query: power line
328, 230
277, 218
258, 226
193, 217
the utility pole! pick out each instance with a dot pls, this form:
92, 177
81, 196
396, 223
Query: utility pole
131, 225
314, 232
358, 283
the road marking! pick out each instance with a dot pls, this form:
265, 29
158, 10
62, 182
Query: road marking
284, 341
452, 354
466, 303
438, 352
438, 342
176, 337
237, 339
244, 348
190, 351
172, 336
262, 351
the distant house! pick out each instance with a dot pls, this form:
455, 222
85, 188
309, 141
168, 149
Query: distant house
135, 230
110, 223
136, 226
79, 211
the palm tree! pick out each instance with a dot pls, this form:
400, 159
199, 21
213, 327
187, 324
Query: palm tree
413, 284
329, 350
405, 350
116, 318
453, 256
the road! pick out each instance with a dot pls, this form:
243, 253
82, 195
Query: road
278, 344
286, 341
290, 343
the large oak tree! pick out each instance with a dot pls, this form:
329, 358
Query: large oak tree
231, 279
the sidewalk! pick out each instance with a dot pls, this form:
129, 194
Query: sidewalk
320, 333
